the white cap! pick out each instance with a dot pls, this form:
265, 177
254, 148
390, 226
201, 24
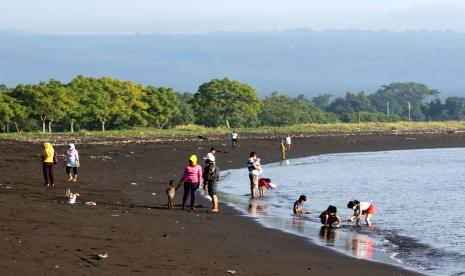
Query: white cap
210, 157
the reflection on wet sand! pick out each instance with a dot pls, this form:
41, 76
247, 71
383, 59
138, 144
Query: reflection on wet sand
330, 235
298, 224
257, 209
361, 247
285, 163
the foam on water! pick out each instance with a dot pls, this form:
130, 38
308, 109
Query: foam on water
419, 198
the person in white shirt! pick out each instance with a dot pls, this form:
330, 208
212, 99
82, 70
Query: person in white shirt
234, 137
361, 208
288, 142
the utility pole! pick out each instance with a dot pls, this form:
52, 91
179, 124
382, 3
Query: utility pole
409, 111
387, 108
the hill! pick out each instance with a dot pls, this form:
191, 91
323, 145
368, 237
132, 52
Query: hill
292, 62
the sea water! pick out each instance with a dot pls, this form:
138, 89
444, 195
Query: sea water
419, 197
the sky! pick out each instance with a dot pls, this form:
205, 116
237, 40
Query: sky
203, 16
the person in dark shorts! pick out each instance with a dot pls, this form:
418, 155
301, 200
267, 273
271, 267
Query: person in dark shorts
234, 137
211, 175
72, 162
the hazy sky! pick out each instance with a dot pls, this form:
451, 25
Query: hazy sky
200, 16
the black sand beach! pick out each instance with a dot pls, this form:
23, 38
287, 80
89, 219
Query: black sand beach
41, 235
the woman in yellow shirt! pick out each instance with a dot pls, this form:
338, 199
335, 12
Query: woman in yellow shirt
48, 160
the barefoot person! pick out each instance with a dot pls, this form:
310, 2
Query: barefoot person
262, 184
211, 175
283, 151
48, 161
171, 193
288, 142
253, 174
72, 162
361, 208
210, 156
191, 178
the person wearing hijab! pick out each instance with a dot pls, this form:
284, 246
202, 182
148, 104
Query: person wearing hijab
48, 160
72, 162
191, 178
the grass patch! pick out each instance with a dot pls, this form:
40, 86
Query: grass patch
189, 130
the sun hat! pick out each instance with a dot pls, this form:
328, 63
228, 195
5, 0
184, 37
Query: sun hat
193, 159
210, 157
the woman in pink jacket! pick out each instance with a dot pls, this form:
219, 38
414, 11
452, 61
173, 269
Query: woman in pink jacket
191, 178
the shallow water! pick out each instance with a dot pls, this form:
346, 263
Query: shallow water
419, 197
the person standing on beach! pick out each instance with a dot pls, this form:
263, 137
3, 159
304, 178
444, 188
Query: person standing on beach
72, 162
288, 142
191, 178
253, 174
210, 156
234, 137
48, 161
211, 175
283, 151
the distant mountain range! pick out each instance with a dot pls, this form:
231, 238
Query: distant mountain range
291, 62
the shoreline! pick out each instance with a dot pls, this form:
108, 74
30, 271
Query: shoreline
146, 238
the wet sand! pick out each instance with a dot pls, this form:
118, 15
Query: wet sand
41, 235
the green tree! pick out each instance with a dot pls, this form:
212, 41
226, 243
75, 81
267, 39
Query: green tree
78, 91
45, 100
280, 110
434, 110
58, 94
351, 103
185, 113
398, 95
322, 101
455, 108
6, 112
162, 105
225, 102
11, 112
98, 101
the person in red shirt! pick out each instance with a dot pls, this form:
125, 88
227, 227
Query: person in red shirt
262, 184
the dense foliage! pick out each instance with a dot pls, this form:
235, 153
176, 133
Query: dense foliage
106, 103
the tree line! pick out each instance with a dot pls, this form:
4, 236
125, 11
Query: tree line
106, 103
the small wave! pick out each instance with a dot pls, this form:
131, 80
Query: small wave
412, 251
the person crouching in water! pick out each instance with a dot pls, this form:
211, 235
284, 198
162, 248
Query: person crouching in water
262, 184
298, 206
330, 218
211, 175
361, 208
